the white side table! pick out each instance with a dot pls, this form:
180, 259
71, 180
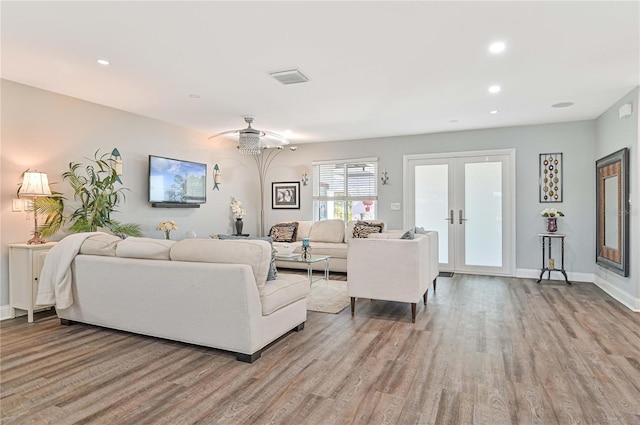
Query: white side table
25, 264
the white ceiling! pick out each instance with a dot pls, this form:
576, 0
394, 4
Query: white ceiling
376, 68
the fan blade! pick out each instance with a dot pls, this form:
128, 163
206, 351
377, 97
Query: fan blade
276, 136
235, 132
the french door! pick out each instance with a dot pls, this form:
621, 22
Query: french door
469, 199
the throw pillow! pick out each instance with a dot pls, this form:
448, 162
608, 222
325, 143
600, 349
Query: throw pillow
363, 229
284, 232
409, 234
273, 271
420, 230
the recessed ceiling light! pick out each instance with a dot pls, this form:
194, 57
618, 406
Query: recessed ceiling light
495, 111
497, 47
562, 105
103, 62
194, 96
453, 120
494, 89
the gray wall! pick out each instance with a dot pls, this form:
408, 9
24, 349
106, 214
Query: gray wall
576, 140
614, 134
45, 131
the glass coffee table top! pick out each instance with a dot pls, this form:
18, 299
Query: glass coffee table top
296, 258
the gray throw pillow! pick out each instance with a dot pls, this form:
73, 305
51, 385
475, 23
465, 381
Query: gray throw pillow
408, 234
420, 230
273, 271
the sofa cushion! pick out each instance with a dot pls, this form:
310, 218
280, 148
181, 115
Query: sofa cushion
304, 228
283, 291
363, 229
255, 253
273, 271
147, 248
284, 232
103, 244
327, 231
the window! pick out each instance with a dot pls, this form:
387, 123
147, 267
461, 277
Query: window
346, 190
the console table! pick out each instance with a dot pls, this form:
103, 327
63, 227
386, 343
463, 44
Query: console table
550, 264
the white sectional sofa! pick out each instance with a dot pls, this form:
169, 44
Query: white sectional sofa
327, 237
213, 293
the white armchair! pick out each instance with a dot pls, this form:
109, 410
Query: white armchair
388, 268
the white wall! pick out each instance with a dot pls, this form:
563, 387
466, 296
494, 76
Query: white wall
45, 131
614, 134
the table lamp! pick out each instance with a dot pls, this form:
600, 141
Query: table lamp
35, 184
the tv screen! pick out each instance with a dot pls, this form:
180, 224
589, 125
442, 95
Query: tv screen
172, 181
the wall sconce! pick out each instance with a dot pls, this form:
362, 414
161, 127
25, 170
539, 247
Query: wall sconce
116, 163
34, 185
217, 177
384, 177
305, 179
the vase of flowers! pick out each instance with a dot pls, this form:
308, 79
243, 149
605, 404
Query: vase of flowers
238, 213
551, 216
167, 226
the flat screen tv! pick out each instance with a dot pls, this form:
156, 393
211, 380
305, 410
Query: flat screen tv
176, 183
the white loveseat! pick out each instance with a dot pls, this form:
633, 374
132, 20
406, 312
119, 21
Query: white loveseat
327, 237
385, 267
212, 293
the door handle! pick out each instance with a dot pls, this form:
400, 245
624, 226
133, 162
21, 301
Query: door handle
460, 217
450, 219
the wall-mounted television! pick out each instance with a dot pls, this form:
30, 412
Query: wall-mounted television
174, 183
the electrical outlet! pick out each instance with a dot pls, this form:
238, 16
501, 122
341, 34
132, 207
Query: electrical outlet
395, 206
16, 205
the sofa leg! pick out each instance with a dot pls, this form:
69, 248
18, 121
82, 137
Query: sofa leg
248, 358
413, 312
67, 322
434, 284
299, 327
424, 296
353, 305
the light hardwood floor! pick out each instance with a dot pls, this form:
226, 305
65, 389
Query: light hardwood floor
486, 350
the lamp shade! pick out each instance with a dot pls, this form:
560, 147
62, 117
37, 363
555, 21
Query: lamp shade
35, 183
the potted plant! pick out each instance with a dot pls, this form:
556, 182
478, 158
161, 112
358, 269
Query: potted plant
94, 186
96, 190
551, 215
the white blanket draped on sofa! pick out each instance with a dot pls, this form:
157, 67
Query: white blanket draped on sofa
55, 278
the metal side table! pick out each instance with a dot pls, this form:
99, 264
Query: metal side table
550, 264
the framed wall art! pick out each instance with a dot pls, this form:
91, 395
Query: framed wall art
551, 168
285, 195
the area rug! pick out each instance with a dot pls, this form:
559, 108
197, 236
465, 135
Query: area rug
328, 296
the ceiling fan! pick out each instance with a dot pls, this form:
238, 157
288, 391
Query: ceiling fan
251, 141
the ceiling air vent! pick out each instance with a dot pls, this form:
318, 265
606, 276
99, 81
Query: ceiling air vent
290, 76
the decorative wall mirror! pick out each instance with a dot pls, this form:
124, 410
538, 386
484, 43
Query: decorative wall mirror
612, 212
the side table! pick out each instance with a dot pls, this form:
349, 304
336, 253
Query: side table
25, 264
550, 264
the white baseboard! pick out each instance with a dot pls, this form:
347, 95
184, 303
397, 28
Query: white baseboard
627, 300
5, 312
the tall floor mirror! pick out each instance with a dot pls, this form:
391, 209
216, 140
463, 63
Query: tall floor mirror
612, 212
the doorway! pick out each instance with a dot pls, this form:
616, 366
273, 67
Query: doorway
469, 199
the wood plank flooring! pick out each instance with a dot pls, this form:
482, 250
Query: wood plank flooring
486, 350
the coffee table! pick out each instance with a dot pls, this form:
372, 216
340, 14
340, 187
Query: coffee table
309, 261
